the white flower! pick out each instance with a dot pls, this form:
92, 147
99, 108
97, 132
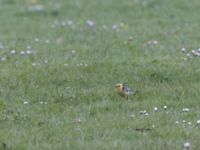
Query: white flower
186, 145
46, 61
28, 52
37, 40
22, 53
1, 46
78, 120
185, 109
198, 122
28, 47
42, 102
73, 51
90, 23
193, 51
25, 102
141, 112
47, 41
177, 122
121, 24
152, 42
34, 64
165, 107
114, 27
189, 123
13, 52
132, 115
155, 109
146, 114
183, 121
189, 55
66, 65
69, 22
130, 38
183, 50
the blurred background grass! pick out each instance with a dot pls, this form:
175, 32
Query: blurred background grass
62, 96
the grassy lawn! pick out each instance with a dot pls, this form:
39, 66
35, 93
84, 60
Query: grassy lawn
60, 61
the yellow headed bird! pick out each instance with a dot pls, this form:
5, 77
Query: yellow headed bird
34, 1
124, 90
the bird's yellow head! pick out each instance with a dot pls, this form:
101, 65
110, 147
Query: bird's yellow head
119, 87
34, 1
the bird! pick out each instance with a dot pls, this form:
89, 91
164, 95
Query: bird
123, 90
34, 2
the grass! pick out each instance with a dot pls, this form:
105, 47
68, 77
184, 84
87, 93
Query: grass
62, 95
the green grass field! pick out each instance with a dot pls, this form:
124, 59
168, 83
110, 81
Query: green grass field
60, 61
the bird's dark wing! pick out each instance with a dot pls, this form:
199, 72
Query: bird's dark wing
126, 88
